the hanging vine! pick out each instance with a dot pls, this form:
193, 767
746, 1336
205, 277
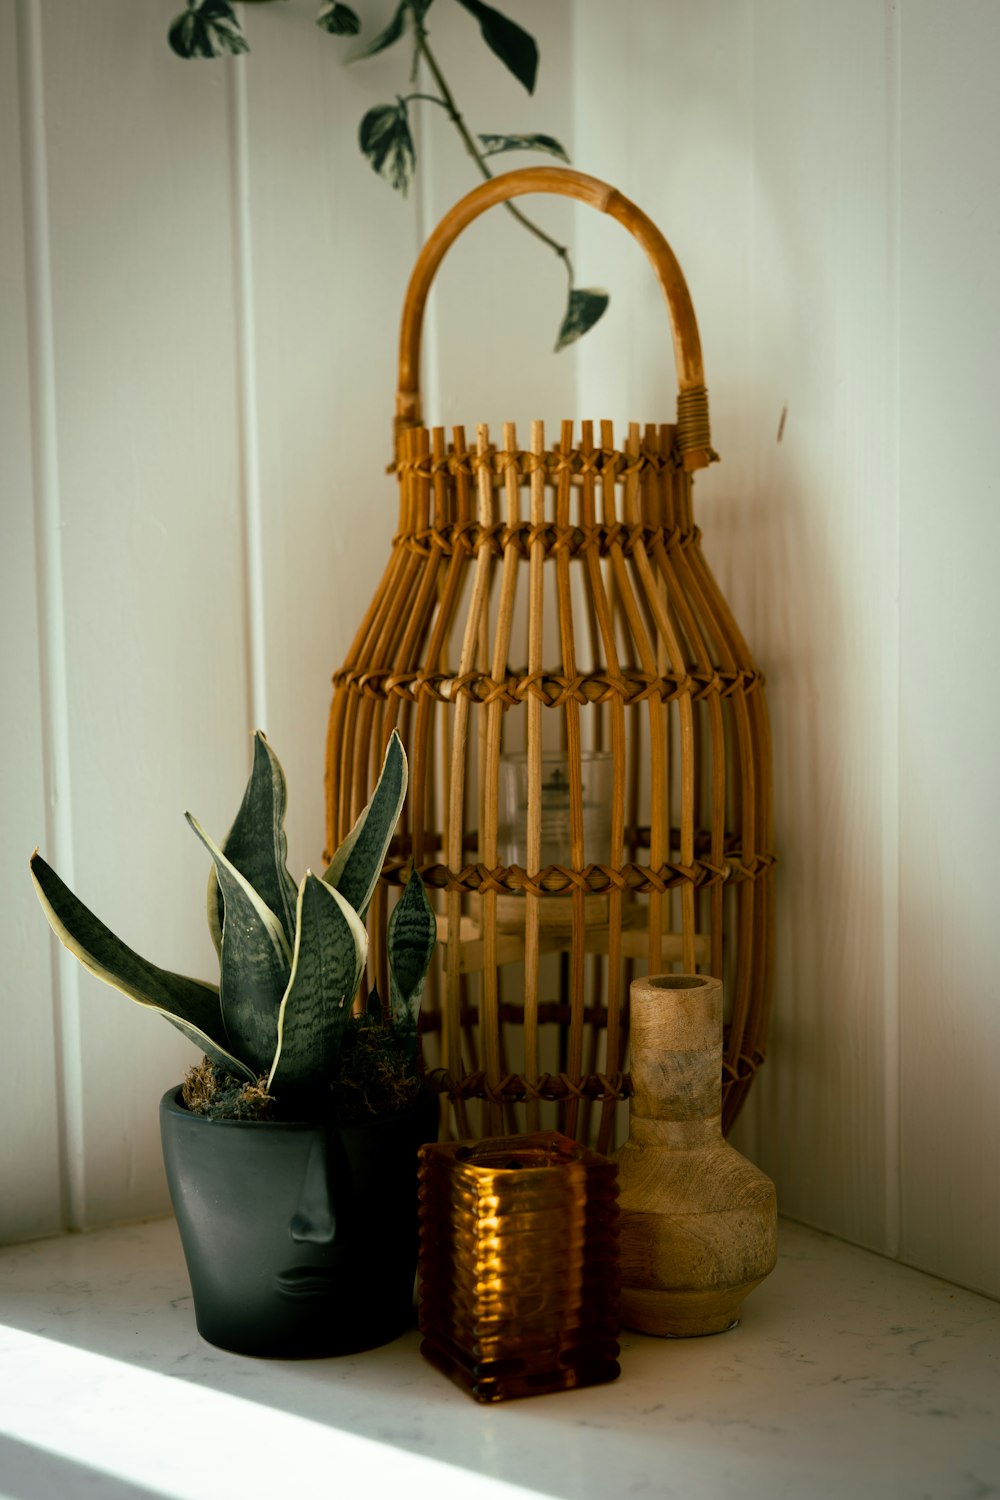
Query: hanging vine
212, 28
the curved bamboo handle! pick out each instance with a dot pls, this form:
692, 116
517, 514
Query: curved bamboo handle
692, 401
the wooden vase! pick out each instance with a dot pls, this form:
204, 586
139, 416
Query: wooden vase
698, 1221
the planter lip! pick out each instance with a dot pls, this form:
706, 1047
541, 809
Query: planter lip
172, 1104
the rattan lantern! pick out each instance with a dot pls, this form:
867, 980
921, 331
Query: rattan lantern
590, 767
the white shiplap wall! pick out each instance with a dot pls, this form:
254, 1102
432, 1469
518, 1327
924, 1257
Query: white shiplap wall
197, 339
949, 721
202, 281
29, 1117
828, 176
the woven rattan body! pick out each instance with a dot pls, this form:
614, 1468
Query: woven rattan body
553, 597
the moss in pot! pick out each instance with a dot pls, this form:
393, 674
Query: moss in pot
291, 1148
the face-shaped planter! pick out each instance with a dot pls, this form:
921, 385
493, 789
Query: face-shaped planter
300, 1240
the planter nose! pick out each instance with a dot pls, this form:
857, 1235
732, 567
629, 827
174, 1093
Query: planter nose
314, 1221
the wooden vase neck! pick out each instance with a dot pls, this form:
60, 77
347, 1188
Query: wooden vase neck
676, 1030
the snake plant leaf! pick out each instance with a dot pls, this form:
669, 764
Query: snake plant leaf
194, 1008
331, 949
208, 28
254, 964
514, 46
411, 935
215, 910
373, 1008
338, 20
586, 305
357, 864
493, 145
384, 137
256, 844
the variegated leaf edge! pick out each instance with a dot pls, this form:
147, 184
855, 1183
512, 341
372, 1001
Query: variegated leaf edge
208, 1044
278, 785
336, 867
361, 944
271, 922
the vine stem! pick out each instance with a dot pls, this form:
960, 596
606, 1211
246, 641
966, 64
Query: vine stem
447, 102
430, 98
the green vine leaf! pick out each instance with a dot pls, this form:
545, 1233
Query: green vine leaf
386, 38
586, 305
493, 145
516, 49
384, 137
338, 20
208, 28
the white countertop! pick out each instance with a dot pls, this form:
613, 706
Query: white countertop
849, 1376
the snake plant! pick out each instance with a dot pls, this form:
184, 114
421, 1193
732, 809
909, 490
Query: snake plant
291, 956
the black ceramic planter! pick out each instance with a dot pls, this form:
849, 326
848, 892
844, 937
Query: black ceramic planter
300, 1240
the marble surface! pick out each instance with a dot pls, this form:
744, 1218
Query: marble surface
849, 1376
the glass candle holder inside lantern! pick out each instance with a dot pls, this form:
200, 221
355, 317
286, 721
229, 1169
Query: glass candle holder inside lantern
555, 830
519, 1277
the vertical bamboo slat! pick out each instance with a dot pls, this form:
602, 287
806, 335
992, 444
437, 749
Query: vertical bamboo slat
573, 748
536, 624
605, 619
572, 579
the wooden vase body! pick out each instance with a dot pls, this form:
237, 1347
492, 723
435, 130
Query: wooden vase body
698, 1221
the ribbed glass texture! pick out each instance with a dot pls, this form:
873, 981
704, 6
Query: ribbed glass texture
519, 1278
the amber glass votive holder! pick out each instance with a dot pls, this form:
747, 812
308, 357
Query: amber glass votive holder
519, 1279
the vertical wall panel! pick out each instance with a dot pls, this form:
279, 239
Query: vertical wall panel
950, 723
663, 112
823, 623
500, 296
856, 550
152, 588
29, 1143
756, 136
331, 246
